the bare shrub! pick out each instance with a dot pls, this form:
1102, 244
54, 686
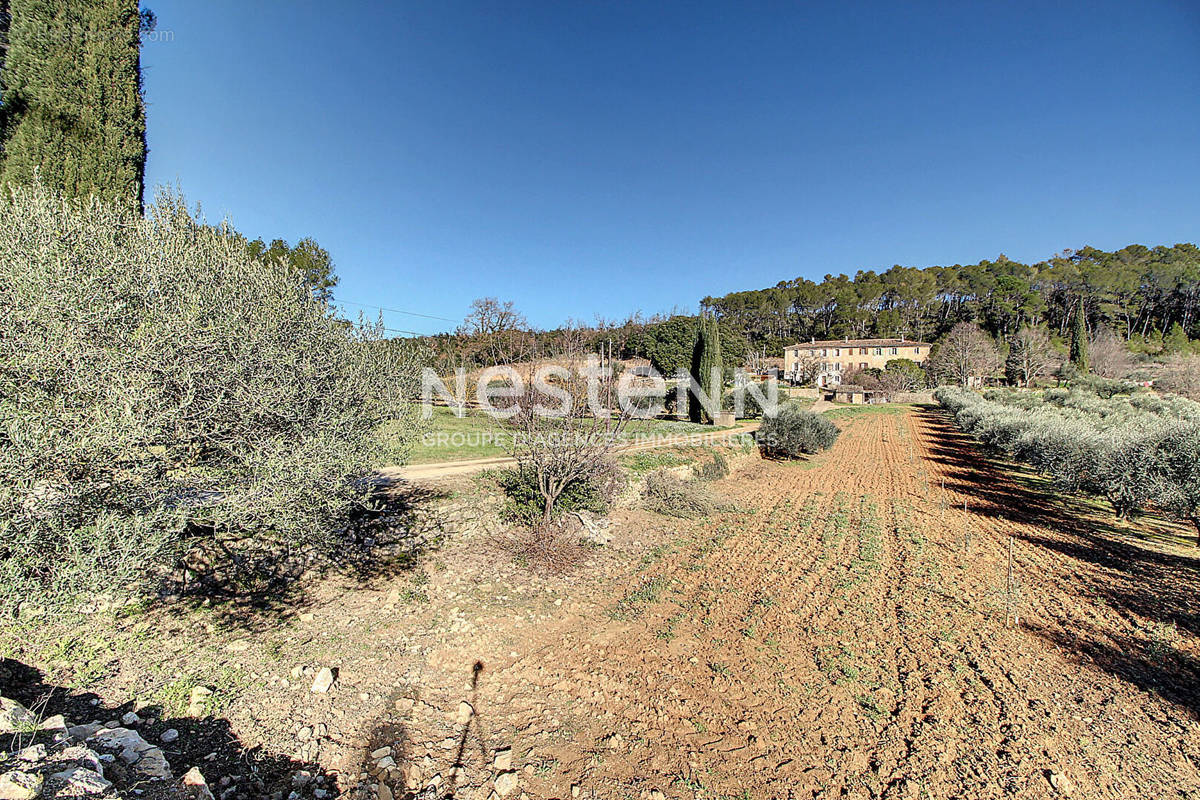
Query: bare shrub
554, 547
1109, 356
714, 470
1182, 376
964, 354
667, 493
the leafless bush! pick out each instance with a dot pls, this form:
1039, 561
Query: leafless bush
1108, 354
565, 430
554, 547
1182, 376
667, 493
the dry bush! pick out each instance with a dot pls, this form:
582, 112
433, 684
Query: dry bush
554, 547
714, 470
1181, 376
1108, 354
667, 493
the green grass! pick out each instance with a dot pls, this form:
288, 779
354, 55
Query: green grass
476, 435
849, 411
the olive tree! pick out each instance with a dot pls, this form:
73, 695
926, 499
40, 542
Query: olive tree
167, 398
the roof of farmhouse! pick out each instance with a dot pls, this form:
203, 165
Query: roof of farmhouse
861, 343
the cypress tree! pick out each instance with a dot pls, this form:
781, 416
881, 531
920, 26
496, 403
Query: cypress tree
695, 411
72, 98
706, 355
1079, 341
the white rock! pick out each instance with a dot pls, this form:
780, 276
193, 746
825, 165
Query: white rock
14, 717
193, 781
381, 752
80, 781
168, 736
502, 761
130, 718
35, 752
505, 783
18, 785
323, 681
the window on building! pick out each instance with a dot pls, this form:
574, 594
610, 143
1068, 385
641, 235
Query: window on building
878, 351
916, 351
837, 351
893, 351
862, 351
863, 365
824, 353
838, 366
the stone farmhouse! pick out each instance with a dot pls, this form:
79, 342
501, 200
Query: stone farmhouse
837, 357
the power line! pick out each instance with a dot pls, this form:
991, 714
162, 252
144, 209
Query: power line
395, 310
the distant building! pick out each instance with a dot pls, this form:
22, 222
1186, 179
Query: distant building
836, 357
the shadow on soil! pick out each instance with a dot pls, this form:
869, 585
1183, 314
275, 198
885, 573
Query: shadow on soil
207, 743
1133, 573
472, 747
381, 541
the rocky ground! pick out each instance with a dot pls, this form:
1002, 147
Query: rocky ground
897, 618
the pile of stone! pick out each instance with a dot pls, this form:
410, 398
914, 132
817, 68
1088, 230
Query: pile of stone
50, 758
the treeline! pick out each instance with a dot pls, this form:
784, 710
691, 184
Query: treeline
1143, 294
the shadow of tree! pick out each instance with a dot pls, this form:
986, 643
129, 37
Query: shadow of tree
232, 769
384, 538
1132, 573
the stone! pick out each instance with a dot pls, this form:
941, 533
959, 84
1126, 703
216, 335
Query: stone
81, 732
80, 782
1062, 783
198, 700
502, 760
411, 775
194, 785
381, 752
305, 734
324, 680
54, 723
18, 785
384, 792
168, 736
15, 718
35, 752
505, 783
465, 710
575, 789
130, 718
404, 705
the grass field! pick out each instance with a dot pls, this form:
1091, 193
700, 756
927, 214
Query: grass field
476, 435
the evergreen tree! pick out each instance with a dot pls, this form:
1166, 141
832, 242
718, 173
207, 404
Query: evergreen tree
72, 98
1079, 339
1176, 341
706, 356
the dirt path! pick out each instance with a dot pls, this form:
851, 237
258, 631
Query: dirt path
844, 634
449, 469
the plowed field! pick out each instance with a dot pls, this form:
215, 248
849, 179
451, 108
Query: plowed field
855, 626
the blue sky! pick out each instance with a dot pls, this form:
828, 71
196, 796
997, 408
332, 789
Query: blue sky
583, 158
